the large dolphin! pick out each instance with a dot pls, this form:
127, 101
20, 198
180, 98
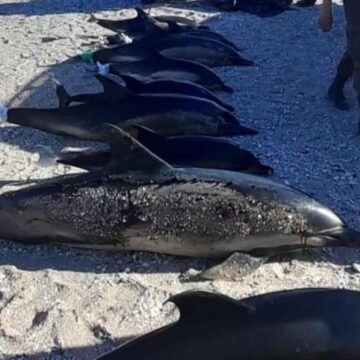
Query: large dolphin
302, 324
165, 114
203, 50
179, 151
145, 204
160, 67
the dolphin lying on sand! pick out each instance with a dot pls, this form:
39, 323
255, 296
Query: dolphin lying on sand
302, 324
141, 86
135, 85
135, 26
205, 51
150, 206
178, 151
166, 114
159, 67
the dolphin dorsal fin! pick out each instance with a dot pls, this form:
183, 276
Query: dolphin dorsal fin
128, 154
112, 88
147, 136
140, 13
201, 305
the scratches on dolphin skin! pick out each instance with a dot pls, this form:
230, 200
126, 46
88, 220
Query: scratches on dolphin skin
183, 218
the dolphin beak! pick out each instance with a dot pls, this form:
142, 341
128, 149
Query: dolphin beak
341, 237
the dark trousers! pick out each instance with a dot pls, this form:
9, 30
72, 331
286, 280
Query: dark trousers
345, 69
352, 15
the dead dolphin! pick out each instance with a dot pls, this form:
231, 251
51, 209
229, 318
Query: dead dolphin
262, 8
301, 324
111, 91
191, 47
160, 67
135, 26
172, 87
114, 90
165, 114
174, 28
145, 204
178, 151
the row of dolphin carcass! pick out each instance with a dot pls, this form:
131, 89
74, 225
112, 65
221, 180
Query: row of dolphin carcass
152, 191
162, 185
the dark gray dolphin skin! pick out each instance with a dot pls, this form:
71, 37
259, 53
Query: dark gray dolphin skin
191, 47
145, 204
174, 28
166, 114
136, 85
302, 324
160, 67
262, 8
135, 27
141, 86
178, 151
112, 90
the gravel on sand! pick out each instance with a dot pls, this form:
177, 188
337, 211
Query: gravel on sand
58, 303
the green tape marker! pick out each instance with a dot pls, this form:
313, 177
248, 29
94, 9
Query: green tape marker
86, 56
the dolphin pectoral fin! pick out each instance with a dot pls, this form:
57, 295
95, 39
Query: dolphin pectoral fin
234, 268
128, 154
112, 88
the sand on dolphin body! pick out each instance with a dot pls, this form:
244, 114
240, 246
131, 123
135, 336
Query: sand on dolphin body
48, 295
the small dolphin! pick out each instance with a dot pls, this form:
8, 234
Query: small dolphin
203, 50
262, 8
140, 203
178, 151
136, 85
174, 28
160, 67
135, 27
302, 324
165, 114
140, 86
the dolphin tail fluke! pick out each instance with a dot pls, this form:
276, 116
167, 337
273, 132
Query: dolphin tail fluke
344, 237
63, 96
92, 18
240, 61
228, 107
236, 130
227, 89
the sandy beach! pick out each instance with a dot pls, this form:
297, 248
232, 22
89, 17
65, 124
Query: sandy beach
60, 303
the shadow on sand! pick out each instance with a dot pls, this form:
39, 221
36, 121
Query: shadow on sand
79, 353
